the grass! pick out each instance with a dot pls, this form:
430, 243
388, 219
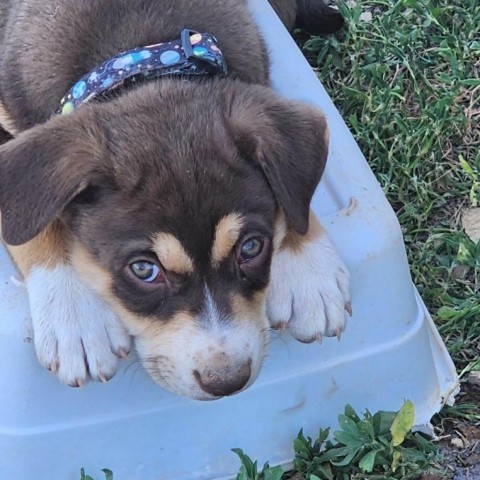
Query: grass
407, 82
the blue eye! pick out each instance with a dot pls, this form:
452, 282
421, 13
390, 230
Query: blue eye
146, 271
251, 249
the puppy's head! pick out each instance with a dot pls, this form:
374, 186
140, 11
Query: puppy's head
172, 196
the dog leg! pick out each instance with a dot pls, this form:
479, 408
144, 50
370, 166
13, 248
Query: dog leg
75, 331
314, 16
318, 16
309, 286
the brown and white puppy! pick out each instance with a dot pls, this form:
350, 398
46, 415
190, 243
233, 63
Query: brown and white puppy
176, 211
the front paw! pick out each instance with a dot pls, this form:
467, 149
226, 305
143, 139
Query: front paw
309, 291
76, 334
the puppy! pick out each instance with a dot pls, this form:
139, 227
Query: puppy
172, 207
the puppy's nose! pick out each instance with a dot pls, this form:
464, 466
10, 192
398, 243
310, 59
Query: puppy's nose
223, 381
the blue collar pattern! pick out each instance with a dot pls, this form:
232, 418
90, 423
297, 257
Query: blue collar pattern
193, 54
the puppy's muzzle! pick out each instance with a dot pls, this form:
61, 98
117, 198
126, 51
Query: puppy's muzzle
225, 380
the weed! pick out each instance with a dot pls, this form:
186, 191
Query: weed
108, 474
249, 470
379, 446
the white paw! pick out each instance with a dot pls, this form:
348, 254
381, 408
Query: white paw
309, 291
76, 334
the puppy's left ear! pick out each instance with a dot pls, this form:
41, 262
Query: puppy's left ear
288, 140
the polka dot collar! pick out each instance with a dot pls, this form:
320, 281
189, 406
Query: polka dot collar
193, 54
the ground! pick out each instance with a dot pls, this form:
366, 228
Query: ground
460, 437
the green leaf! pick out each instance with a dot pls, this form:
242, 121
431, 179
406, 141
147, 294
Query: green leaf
253, 471
414, 455
302, 445
242, 474
367, 462
354, 122
300, 448
382, 422
332, 453
446, 313
348, 425
249, 467
464, 254
324, 432
350, 413
274, 473
424, 444
402, 423
466, 167
347, 459
349, 440
108, 474
470, 82
83, 476
326, 471
367, 431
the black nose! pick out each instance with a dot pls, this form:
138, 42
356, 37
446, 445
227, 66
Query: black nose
224, 381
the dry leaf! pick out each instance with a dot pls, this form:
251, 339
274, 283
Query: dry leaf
366, 17
474, 378
471, 223
457, 442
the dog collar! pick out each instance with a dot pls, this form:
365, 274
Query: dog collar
193, 54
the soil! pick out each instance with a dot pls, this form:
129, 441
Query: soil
460, 443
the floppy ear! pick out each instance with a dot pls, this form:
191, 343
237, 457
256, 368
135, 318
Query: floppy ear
289, 141
41, 171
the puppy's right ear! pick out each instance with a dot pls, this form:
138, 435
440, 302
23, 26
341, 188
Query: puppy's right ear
288, 140
42, 170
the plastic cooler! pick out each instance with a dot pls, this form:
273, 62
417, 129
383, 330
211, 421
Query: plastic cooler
389, 352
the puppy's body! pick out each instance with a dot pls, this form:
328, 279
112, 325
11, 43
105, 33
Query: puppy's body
203, 182
50, 44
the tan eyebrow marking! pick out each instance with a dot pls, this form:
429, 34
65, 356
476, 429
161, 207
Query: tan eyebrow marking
226, 236
171, 253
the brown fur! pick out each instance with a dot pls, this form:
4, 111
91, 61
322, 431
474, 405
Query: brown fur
76, 36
